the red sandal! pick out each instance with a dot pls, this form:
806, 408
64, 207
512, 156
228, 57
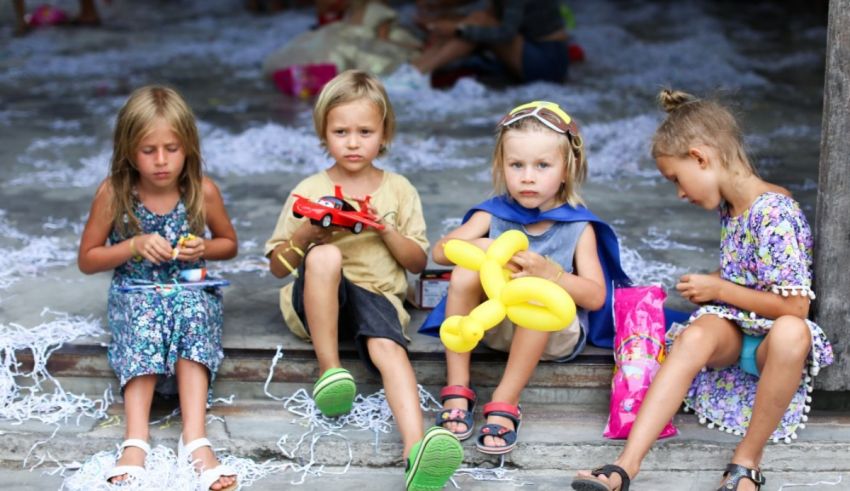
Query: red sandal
455, 415
504, 410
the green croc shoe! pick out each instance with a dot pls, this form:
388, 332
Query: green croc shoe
334, 392
433, 460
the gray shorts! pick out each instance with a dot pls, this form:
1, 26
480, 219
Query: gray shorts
362, 315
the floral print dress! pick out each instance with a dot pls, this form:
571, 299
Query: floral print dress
767, 248
151, 329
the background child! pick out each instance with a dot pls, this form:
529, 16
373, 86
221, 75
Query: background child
540, 161
155, 195
352, 286
751, 329
369, 38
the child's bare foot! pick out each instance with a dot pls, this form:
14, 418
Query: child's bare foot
129, 456
495, 441
456, 403
205, 459
745, 472
499, 435
608, 475
131, 460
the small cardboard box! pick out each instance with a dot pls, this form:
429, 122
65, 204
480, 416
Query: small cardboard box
429, 287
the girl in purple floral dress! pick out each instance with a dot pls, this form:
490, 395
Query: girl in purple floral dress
148, 222
744, 363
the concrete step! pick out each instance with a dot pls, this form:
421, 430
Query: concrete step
250, 346
553, 436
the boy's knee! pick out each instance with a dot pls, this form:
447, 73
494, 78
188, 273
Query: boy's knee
381, 349
323, 259
790, 336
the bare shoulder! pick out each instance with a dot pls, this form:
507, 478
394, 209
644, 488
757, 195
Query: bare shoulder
104, 190
210, 188
103, 197
775, 188
588, 233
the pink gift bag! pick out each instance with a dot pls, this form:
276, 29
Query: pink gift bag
304, 80
639, 351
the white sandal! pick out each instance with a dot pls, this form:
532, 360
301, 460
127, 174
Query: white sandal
208, 476
131, 471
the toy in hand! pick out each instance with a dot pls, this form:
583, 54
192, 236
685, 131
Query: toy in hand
334, 210
176, 251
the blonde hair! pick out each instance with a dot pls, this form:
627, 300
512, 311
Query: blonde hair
692, 121
571, 147
133, 123
350, 86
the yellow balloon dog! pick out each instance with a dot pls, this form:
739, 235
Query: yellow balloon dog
529, 302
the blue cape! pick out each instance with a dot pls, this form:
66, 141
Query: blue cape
601, 328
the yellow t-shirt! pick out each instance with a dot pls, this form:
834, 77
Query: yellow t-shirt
366, 261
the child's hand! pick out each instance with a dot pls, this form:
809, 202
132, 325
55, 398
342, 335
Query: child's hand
154, 248
387, 220
191, 250
530, 263
699, 288
313, 234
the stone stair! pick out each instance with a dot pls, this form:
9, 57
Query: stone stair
564, 406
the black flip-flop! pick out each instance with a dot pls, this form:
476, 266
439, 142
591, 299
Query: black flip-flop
593, 484
738, 472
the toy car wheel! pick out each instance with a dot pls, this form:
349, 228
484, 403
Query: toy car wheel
326, 221
357, 228
297, 215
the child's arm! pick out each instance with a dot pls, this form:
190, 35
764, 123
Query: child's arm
95, 255
223, 244
406, 251
291, 249
586, 285
475, 228
782, 261
702, 288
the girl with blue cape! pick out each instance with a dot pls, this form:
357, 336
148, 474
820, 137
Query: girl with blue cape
600, 322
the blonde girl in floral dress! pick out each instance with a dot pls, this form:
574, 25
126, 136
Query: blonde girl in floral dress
745, 360
148, 222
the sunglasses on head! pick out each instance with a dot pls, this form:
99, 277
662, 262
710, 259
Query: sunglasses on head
548, 113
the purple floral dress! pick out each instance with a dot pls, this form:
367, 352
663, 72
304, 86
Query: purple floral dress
767, 248
152, 329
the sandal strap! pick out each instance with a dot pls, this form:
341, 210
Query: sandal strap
454, 415
135, 442
458, 391
503, 407
737, 472
194, 445
505, 410
608, 469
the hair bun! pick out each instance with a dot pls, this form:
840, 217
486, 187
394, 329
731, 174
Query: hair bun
670, 99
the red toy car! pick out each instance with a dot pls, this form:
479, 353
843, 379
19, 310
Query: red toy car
335, 211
